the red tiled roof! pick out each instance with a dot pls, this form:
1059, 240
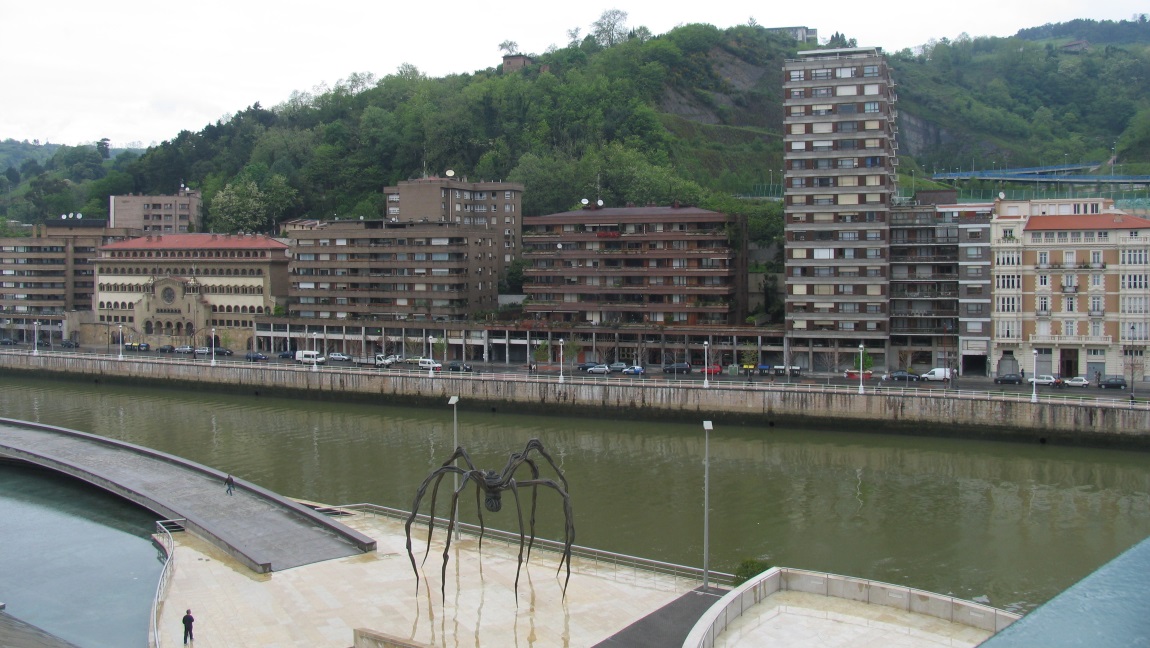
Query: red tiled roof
199, 242
1108, 221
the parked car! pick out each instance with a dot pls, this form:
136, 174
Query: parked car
600, 369
69, 344
712, 370
204, 351
221, 351
287, 355
634, 370
1077, 381
386, 360
1113, 382
1008, 379
254, 356
184, 348
338, 357
136, 346
584, 366
8, 342
1043, 379
164, 348
459, 366
937, 374
677, 368
902, 375
616, 367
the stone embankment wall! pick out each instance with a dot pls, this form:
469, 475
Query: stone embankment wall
1082, 420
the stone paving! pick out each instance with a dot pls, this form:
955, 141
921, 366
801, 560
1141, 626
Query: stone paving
322, 604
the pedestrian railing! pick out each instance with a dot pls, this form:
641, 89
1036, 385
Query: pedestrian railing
167, 545
619, 565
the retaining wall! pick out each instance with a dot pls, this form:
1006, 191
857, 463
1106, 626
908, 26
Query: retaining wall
1084, 421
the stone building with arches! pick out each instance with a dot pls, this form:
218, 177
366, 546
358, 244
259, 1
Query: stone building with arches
175, 288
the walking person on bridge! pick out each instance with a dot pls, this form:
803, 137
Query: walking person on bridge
188, 621
230, 483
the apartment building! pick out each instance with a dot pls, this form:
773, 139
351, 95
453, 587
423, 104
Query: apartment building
178, 214
420, 269
497, 206
975, 285
636, 265
173, 289
49, 278
1071, 288
840, 161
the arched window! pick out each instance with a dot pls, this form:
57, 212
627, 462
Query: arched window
148, 327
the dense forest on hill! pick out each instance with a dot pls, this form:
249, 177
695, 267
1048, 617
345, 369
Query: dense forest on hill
622, 115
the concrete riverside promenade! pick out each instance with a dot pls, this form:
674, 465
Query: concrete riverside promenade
260, 529
1063, 419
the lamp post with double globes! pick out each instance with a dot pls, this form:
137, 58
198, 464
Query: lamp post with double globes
1034, 378
561, 359
706, 365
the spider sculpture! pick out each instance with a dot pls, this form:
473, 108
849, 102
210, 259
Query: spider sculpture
492, 484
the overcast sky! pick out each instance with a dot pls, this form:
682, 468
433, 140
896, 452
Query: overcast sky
140, 71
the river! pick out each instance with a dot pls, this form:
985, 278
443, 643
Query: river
1012, 524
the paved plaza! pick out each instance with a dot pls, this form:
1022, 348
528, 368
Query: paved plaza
321, 604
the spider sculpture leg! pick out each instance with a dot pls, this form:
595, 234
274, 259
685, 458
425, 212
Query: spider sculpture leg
568, 527
437, 475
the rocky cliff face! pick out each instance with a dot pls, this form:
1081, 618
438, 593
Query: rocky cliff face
918, 137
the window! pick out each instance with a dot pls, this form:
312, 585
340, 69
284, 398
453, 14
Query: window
1006, 304
1133, 281
870, 89
1043, 281
870, 70
820, 75
796, 75
796, 93
871, 107
845, 73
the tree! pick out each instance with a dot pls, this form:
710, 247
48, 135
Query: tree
253, 202
103, 147
611, 28
509, 47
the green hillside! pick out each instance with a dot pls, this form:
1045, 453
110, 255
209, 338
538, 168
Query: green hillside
692, 115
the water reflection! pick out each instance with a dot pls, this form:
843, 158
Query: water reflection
1012, 522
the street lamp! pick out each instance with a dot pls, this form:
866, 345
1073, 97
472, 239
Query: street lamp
36, 340
560, 359
213, 346
431, 354
706, 365
120, 342
707, 427
862, 348
454, 403
1034, 378
1132, 365
314, 355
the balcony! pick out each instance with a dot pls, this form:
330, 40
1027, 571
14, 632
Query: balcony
1097, 313
1067, 340
1042, 312
1070, 289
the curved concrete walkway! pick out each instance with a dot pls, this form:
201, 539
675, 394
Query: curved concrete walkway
263, 530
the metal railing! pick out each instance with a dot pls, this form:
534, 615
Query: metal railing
168, 545
640, 567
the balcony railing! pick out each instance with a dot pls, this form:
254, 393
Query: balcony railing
1097, 313
1070, 339
1070, 289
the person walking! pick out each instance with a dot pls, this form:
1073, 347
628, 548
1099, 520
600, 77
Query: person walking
188, 621
230, 484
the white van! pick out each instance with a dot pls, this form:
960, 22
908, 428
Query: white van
938, 373
309, 357
428, 363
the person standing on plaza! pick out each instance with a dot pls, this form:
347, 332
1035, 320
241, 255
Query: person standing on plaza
188, 620
230, 484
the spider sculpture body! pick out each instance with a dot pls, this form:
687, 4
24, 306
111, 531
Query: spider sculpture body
492, 485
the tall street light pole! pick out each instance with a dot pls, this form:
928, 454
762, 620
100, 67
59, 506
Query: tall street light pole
213, 346
315, 356
560, 359
120, 342
454, 403
1034, 378
36, 341
706, 365
707, 427
1132, 365
431, 354
862, 349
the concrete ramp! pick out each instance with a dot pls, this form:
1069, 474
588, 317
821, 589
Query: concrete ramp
263, 530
